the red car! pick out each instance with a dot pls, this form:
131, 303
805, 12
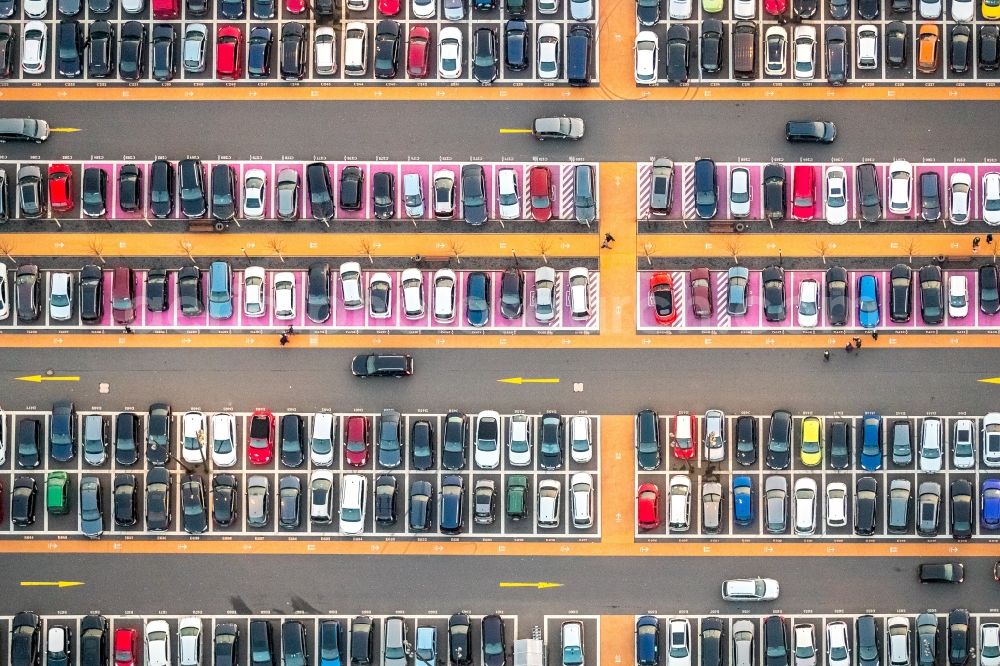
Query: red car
775, 7
661, 292
125, 647
295, 6
229, 53
260, 441
356, 444
647, 509
418, 52
804, 192
540, 191
388, 7
701, 292
61, 187
684, 438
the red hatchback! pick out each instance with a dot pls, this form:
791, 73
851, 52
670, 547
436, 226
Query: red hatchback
418, 52
804, 192
775, 7
647, 511
295, 6
356, 444
260, 441
701, 292
684, 438
661, 293
388, 7
125, 647
61, 187
229, 53
540, 191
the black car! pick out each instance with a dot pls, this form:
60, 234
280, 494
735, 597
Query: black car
26, 639
494, 642
318, 292
989, 47
362, 640
958, 637
190, 291
931, 294
232, 9
289, 499
712, 46
989, 289
226, 645
352, 187
94, 641
839, 445
865, 506
477, 298
382, 365
101, 50
31, 191
839, 9
91, 293
161, 188
775, 641
69, 47
330, 641
867, 641
259, 52
837, 62
194, 507
460, 639
260, 643
383, 195
961, 513
293, 446
516, 46
900, 292
292, 64
124, 500
28, 292
943, 572
294, 644
22, 502
678, 54
158, 502
422, 445
29, 443
810, 131
385, 499
94, 192
774, 192
706, 189
869, 196
390, 445
132, 51
474, 195
386, 49
896, 44
421, 505
550, 442
779, 440
8, 45
129, 188
158, 434
62, 431
775, 307
512, 294
868, 10
960, 49
192, 186
803, 9
711, 641
746, 440
164, 42
224, 491
484, 502
157, 290
838, 298
455, 437
484, 55
647, 439
320, 191
223, 192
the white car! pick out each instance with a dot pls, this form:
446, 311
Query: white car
254, 291
581, 496
351, 292
33, 42
963, 11
679, 9
678, 643
519, 440
380, 296
646, 57
581, 448
991, 439
809, 303
194, 437
507, 194
545, 294
58, 642
929, 9
3, 437
740, 192
321, 444
60, 296
321, 496
132, 6
486, 442
424, 9
750, 589
284, 295
898, 640
254, 187
900, 187
836, 195
411, 283
991, 198
579, 293
744, 9
775, 50
36, 9
804, 498
444, 295
450, 53
352, 503
836, 504
679, 503
960, 190
867, 47
958, 296
4, 296
838, 647
189, 641
963, 444
931, 449
548, 51
444, 194
989, 644
805, 52
583, 10
804, 645
223, 440
325, 51
157, 640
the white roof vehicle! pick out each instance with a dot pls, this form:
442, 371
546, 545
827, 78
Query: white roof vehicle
991, 439
36, 9
351, 291
900, 187
744, 9
157, 639
958, 296
960, 187
519, 440
740, 192
411, 283
805, 52
838, 647
352, 504
321, 496
581, 487
804, 646
991, 198
804, 506
254, 197
989, 644
581, 449
545, 294
450, 53
679, 9
929, 9
284, 295
678, 643
325, 50
254, 291
424, 9
223, 440
963, 11
750, 589
775, 50
444, 295
487, 444
836, 195
60, 296
507, 194
646, 57
4, 296
548, 51
194, 437
836, 504
808, 309
867, 47
579, 293
189, 631
321, 443
33, 47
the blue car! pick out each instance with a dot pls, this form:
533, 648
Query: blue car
991, 504
477, 299
647, 641
868, 301
871, 442
742, 500
330, 645
220, 288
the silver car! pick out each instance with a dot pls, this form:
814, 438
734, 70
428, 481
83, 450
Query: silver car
898, 629
805, 645
60, 296
661, 190
963, 444
545, 296
454, 10
737, 300
195, 45
775, 503
257, 500
394, 647
743, 643
711, 507
287, 195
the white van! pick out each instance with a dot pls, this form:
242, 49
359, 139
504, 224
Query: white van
571, 642
581, 449
413, 195
356, 49
931, 446
679, 506
579, 293
510, 203
582, 496
352, 504
321, 444
549, 492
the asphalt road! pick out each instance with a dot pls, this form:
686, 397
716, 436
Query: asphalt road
616, 131
614, 382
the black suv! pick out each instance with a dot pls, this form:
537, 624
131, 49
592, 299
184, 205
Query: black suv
775, 194
192, 188
223, 192
352, 187
28, 292
69, 45
320, 191
900, 292
161, 188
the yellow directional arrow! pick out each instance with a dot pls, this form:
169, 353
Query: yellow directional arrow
529, 380
990, 380
38, 379
51, 583
514, 130
64, 129
539, 585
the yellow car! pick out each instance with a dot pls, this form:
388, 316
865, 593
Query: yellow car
811, 449
715, 6
991, 9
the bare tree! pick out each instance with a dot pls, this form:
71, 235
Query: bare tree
186, 248
647, 249
514, 254
456, 250
543, 249
822, 247
278, 247
366, 249
911, 249
734, 250
98, 249
6, 247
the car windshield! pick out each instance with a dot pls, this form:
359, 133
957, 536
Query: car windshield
803, 651
59, 300
807, 307
350, 514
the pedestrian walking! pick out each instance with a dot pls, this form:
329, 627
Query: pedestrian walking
975, 244
128, 330
874, 335
989, 239
609, 242
826, 355
290, 330
283, 340
857, 343
848, 348
605, 246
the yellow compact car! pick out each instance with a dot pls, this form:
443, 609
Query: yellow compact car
715, 6
811, 449
991, 9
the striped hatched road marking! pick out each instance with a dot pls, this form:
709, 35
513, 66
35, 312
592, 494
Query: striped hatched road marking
722, 300
558, 289
687, 175
566, 190
643, 183
593, 293
680, 297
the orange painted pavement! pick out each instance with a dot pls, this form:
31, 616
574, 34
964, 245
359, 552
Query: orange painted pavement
617, 639
617, 264
617, 475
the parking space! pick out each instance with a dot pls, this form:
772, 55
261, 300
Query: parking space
751, 494
508, 506
720, 316
591, 635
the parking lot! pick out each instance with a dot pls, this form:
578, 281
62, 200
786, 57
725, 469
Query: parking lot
700, 472
505, 525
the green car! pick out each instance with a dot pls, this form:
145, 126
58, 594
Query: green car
57, 493
517, 497
711, 6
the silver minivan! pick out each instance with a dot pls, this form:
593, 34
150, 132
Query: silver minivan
413, 195
95, 439
775, 503
584, 197
582, 496
195, 45
743, 642
931, 446
394, 646
571, 642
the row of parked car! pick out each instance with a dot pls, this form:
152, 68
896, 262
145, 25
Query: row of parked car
280, 288
961, 11
40, 188
823, 192
930, 453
